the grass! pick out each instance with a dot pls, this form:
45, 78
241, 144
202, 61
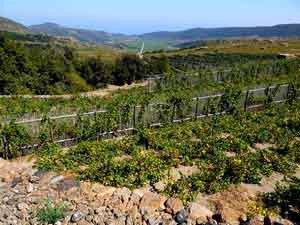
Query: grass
106, 53
291, 46
150, 45
50, 212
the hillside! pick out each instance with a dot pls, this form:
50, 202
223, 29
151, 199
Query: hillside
83, 35
283, 31
155, 40
12, 26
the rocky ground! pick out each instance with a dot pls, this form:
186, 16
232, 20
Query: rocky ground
23, 189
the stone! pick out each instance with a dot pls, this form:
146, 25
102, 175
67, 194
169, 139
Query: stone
76, 217
142, 191
160, 186
22, 206
198, 212
181, 217
174, 204
256, 221
15, 182
29, 188
5, 199
34, 179
135, 199
56, 179
83, 222
99, 210
58, 223
151, 202
285, 222
211, 221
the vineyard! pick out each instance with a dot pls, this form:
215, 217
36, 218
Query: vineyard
222, 149
228, 120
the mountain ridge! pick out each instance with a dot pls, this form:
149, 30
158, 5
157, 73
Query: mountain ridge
12, 26
171, 38
84, 35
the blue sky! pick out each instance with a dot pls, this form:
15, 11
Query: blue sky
133, 16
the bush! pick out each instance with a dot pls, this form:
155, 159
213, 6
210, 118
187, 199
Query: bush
285, 198
50, 213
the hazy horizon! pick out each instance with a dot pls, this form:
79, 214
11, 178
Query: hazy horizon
134, 17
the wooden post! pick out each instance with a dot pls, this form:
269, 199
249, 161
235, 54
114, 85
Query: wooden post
196, 110
50, 130
97, 131
246, 101
207, 106
134, 117
149, 85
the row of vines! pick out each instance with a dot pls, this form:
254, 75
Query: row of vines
17, 137
221, 148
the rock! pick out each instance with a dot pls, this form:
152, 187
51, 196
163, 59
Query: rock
29, 188
56, 180
76, 217
256, 221
83, 222
5, 199
142, 191
181, 217
211, 221
151, 202
219, 217
99, 211
22, 206
243, 220
263, 146
58, 223
198, 212
34, 179
284, 222
15, 182
67, 184
174, 204
160, 186
135, 199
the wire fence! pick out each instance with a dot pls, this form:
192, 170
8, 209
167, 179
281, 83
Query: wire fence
105, 124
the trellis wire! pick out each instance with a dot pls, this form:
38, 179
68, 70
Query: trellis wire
151, 118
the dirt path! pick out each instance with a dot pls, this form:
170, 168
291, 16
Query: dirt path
113, 88
97, 93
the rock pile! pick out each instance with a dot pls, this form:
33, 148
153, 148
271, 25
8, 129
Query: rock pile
23, 189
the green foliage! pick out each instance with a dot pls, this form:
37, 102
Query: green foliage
285, 198
50, 212
147, 157
55, 69
13, 138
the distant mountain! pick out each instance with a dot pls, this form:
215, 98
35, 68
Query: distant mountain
281, 31
82, 35
155, 40
12, 26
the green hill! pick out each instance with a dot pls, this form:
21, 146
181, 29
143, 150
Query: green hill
281, 31
82, 35
12, 26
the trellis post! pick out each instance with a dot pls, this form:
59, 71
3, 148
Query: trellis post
246, 101
134, 117
196, 110
51, 130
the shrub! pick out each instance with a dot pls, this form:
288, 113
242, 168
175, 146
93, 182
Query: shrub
285, 198
50, 213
